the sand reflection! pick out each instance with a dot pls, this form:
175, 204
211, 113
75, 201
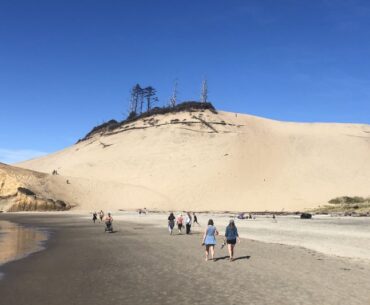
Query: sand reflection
17, 242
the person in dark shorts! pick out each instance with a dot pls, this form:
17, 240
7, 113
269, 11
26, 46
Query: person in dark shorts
171, 222
101, 215
195, 219
179, 221
95, 216
188, 223
231, 236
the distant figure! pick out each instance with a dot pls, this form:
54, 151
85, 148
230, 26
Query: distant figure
195, 220
101, 215
209, 239
179, 221
241, 216
143, 211
67, 181
231, 236
250, 216
55, 172
95, 216
109, 223
274, 218
306, 216
171, 222
188, 223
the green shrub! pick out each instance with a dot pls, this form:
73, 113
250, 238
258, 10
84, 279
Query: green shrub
347, 200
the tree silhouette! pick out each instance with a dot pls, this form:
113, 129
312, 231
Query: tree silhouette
204, 95
149, 94
135, 98
173, 99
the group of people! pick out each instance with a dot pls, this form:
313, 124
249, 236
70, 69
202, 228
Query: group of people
101, 216
189, 221
231, 238
209, 237
108, 220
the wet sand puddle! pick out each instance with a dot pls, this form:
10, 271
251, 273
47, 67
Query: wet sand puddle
17, 242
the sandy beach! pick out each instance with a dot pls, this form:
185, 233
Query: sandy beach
142, 264
321, 233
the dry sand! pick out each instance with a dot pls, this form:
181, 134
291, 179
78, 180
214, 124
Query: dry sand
234, 162
339, 236
142, 264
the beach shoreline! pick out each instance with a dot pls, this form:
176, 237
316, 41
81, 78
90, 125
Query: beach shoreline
320, 234
142, 264
18, 241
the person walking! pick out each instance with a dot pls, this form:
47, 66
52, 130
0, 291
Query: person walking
95, 216
171, 222
109, 223
231, 236
101, 215
209, 239
195, 219
179, 221
188, 223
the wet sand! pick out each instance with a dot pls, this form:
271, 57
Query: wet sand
142, 264
18, 241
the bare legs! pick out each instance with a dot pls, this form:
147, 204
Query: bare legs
210, 248
231, 251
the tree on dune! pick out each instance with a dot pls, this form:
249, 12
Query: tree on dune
173, 99
135, 98
150, 94
204, 95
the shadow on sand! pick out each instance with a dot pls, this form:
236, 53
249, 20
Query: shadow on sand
235, 259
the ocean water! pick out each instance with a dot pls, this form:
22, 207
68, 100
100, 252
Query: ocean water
17, 242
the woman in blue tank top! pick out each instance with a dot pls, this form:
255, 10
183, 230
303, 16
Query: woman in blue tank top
209, 239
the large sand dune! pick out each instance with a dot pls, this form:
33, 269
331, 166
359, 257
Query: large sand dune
207, 161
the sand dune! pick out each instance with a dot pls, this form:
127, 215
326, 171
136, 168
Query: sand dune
26, 190
207, 161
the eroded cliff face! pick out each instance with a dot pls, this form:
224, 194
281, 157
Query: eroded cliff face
16, 193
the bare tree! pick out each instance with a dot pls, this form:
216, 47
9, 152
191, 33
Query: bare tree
132, 105
141, 99
173, 99
149, 94
204, 95
134, 101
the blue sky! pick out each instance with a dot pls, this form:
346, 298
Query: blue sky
66, 66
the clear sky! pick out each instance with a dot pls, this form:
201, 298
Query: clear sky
66, 66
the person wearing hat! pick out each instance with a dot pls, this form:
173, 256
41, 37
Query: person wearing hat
231, 236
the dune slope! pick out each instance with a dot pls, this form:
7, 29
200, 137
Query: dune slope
26, 190
206, 161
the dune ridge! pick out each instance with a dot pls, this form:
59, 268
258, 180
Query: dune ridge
207, 161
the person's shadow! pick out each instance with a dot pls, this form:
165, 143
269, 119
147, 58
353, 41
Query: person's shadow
235, 259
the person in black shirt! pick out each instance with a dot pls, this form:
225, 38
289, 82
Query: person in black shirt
171, 222
195, 219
